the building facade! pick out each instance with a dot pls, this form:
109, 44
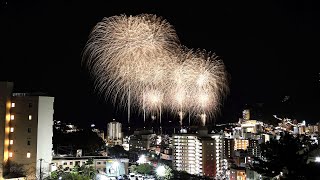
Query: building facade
254, 148
114, 133
198, 154
28, 132
228, 146
113, 167
241, 144
142, 140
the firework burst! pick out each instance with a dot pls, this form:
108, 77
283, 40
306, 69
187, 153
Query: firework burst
123, 51
198, 83
138, 61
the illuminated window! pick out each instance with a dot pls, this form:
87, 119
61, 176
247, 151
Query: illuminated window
11, 142
10, 154
13, 104
28, 155
11, 117
11, 129
30, 117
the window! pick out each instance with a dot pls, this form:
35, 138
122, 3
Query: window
30, 105
29, 130
30, 117
11, 117
28, 155
13, 105
11, 142
11, 129
65, 163
29, 143
98, 162
10, 154
71, 163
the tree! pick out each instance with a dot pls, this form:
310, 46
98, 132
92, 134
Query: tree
144, 168
133, 168
88, 170
84, 172
117, 151
181, 175
87, 140
286, 155
67, 175
12, 169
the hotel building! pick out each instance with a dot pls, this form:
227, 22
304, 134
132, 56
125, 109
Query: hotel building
199, 154
26, 122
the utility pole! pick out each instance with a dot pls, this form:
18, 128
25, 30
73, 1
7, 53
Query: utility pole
40, 168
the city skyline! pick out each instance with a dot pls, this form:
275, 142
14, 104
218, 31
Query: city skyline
267, 49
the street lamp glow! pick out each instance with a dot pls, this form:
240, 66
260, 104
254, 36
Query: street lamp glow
142, 159
317, 159
161, 171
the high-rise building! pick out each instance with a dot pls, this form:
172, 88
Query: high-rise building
241, 144
142, 140
114, 135
198, 154
28, 131
246, 114
228, 146
187, 153
254, 148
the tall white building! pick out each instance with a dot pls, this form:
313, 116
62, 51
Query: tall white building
114, 133
187, 153
198, 154
28, 133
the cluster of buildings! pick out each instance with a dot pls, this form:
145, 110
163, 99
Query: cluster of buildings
26, 131
295, 128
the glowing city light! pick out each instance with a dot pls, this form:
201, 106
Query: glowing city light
142, 159
160, 171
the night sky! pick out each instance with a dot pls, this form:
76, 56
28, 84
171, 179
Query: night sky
269, 49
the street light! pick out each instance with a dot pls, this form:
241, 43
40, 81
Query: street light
164, 172
142, 159
161, 171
